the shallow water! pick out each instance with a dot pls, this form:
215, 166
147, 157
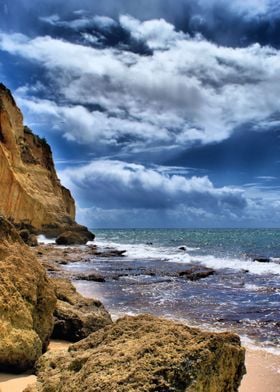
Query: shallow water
242, 296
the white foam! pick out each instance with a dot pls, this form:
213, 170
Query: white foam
148, 252
256, 346
44, 240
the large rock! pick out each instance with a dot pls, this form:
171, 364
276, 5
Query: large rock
27, 303
145, 354
76, 317
71, 238
30, 189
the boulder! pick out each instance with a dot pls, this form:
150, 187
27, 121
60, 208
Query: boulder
54, 230
27, 303
145, 354
71, 238
76, 317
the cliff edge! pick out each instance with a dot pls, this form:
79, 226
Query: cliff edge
31, 192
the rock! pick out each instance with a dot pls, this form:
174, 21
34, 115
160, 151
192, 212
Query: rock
91, 277
55, 230
262, 259
109, 252
27, 303
184, 248
75, 316
29, 239
196, 273
71, 238
32, 193
145, 354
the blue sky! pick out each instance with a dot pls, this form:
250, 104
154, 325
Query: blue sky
159, 114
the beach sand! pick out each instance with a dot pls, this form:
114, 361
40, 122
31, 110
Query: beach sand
17, 383
263, 373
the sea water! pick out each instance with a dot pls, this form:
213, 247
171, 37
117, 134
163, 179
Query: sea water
242, 296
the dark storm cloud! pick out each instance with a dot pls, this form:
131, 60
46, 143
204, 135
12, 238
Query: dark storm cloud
116, 184
236, 23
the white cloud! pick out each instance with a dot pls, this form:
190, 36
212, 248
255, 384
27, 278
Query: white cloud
157, 33
189, 90
116, 193
117, 184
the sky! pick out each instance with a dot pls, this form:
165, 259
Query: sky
160, 113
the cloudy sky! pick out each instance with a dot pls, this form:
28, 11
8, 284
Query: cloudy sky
162, 113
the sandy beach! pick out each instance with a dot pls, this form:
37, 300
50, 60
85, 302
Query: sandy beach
263, 373
17, 383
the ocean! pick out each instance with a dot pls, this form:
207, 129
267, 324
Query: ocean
242, 296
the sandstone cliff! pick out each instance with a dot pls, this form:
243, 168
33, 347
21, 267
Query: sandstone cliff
27, 303
30, 189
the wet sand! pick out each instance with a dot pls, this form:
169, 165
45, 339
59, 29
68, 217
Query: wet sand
263, 373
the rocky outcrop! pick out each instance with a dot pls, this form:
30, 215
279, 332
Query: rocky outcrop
31, 192
27, 303
73, 238
76, 317
145, 354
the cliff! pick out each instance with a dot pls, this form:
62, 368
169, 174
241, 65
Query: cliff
31, 192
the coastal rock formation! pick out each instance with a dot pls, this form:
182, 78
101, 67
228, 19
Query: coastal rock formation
76, 317
31, 192
196, 273
27, 303
73, 238
145, 354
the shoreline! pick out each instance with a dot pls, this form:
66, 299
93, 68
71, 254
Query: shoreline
263, 372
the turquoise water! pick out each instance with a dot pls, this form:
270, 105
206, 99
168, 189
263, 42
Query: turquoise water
218, 242
243, 295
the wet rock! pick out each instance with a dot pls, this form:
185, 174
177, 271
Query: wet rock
196, 273
91, 277
76, 317
109, 252
262, 259
71, 238
27, 303
145, 354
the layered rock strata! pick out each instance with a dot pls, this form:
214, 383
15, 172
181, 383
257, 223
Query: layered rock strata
31, 192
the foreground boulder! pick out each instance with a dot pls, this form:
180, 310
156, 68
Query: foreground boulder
76, 317
27, 303
145, 354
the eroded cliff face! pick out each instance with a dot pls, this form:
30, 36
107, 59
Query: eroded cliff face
30, 189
